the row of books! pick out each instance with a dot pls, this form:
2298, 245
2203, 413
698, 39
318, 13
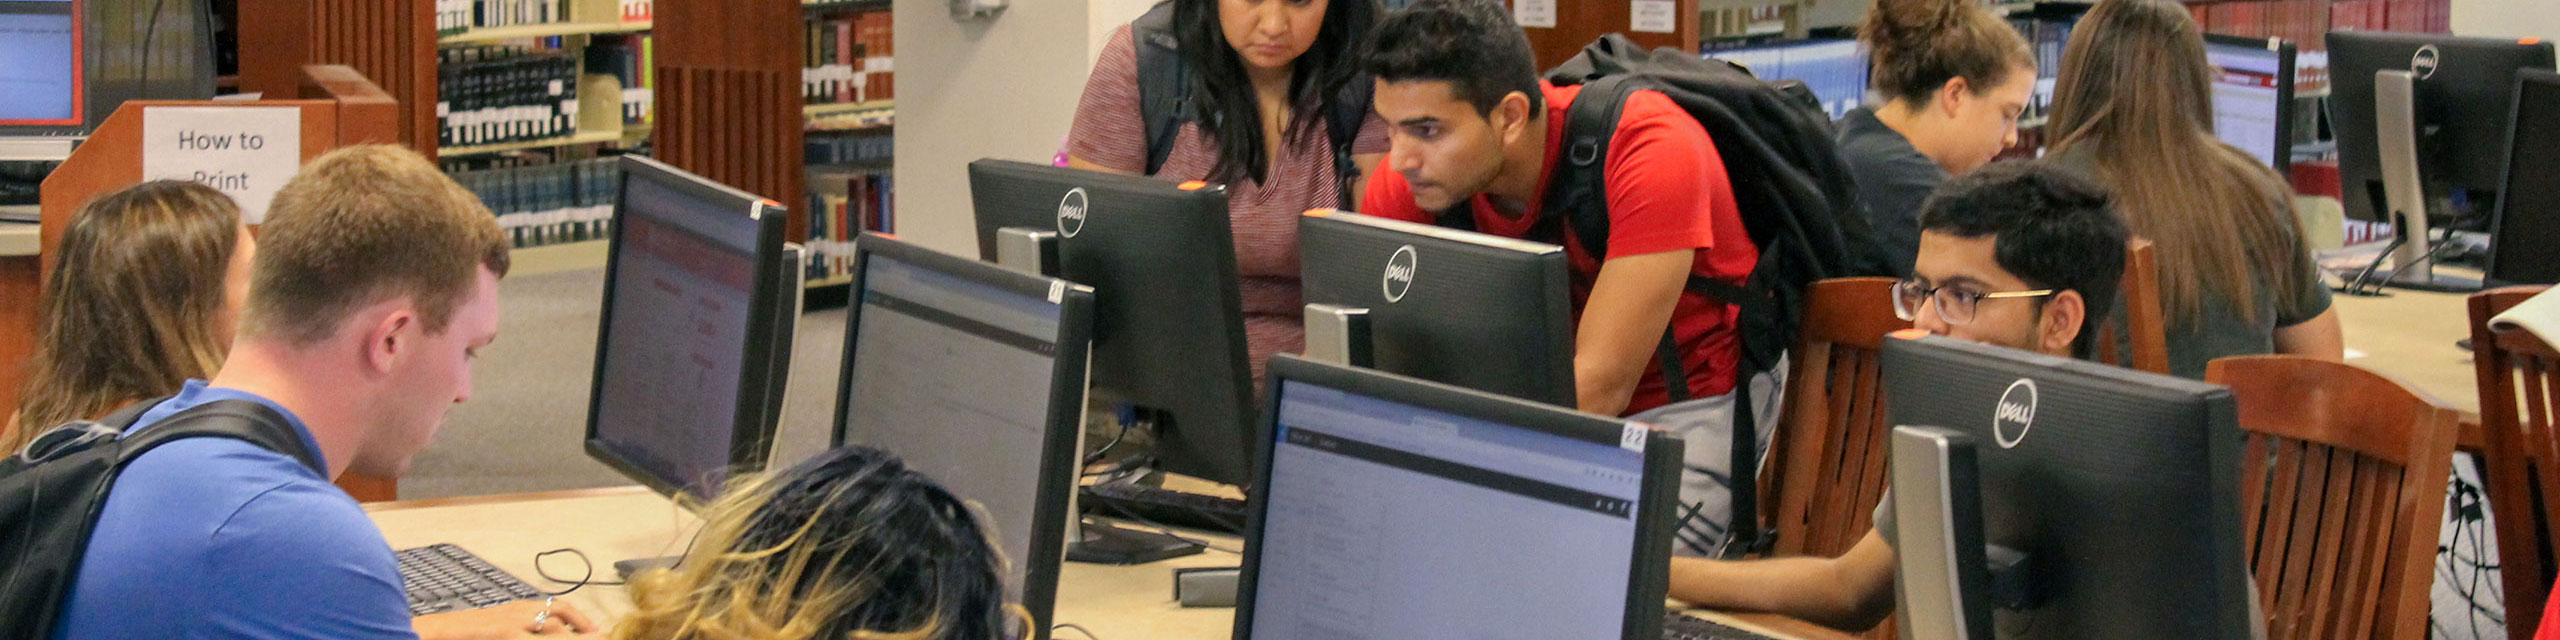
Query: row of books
628, 58
496, 94
848, 59
849, 150
2047, 36
456, 16
550, 203
842, 205
639, 11
2305, 21
1836, 70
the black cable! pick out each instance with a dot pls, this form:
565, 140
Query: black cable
150, 33
1088, 633
574, 585
1098, 454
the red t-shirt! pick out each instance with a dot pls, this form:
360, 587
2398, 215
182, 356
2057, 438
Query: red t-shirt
1667, 192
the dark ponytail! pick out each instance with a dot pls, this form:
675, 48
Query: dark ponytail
1916, 46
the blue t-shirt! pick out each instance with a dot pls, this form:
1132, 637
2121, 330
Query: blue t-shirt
218, 538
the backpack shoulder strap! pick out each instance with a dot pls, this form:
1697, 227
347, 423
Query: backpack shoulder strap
1578, 191
1349, 112
243, 420
1164, 84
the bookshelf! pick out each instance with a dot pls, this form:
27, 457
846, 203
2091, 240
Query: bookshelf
582, 137
553, 30
848, 108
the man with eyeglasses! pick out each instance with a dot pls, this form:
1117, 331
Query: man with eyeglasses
2017, 254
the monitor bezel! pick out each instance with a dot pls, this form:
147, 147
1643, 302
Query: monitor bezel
2287, 72
751, 442
1649, 575
1061, 439
79, 77
2507, 178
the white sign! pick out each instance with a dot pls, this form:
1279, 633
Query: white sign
1534, 13
1654, 16
245, 152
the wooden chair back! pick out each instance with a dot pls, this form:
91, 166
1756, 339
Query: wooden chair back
2519, 377
2341, 494
1826, 468
2137, 337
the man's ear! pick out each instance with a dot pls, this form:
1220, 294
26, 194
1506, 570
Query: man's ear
2064, 315
388, 337
1511, 116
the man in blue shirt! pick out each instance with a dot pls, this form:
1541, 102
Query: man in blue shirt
375, 284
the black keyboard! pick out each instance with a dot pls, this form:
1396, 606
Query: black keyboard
1678, 626
443, 577
1163, 506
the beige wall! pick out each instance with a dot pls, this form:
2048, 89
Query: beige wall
1003, 87
2507, 18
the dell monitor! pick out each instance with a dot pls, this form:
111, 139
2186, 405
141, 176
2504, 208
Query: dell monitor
1168, 332
1391, 507
1483, 312
685, 383
2253, 96
2456, 108
2524, 243
41, 84
974, 375
2105, 501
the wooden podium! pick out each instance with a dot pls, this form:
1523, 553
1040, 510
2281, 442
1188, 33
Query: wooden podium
339, 107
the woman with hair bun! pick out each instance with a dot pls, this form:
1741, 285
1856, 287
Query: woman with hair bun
1947, 81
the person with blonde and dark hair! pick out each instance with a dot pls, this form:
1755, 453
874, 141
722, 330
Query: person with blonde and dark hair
848, 544
2133, 109
374, 285
1953, 79
146, 290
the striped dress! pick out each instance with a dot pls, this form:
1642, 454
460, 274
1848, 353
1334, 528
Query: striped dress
1110, 132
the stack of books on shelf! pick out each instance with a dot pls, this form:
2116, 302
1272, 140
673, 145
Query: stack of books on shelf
457, 16
864, 150
628, 59
842, 205
494, 95
549, 203
848, 59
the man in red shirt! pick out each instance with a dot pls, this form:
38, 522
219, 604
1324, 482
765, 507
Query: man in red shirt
1472, 126
1474, 132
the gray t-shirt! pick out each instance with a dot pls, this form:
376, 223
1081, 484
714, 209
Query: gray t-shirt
2220, 330
1893, 180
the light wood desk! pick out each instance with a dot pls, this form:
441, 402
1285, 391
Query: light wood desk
608, 525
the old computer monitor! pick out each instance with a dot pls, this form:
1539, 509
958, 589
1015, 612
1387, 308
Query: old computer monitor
1168, 331
1390, 507
41, 86
2253, 95
1483, 312
2464, 89
2119, 488
974, 375
2524, 244
685, 390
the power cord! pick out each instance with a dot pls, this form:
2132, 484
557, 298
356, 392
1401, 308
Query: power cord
1088, 633
574, 585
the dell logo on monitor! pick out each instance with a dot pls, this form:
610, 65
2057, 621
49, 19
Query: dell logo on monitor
1071, 212
1400, 273
2423, 65
2016, 413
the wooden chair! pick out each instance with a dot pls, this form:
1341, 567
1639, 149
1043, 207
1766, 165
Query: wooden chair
1826, 465
2137, 337
2341, 494
2519, 377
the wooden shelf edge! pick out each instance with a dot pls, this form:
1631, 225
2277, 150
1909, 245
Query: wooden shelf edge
493, 34
584, 137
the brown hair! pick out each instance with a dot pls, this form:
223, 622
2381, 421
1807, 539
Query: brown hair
129, 313
361, 225
2135, 93
1916, 46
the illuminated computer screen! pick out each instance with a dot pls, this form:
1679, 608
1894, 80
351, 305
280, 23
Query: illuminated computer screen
2253, 96
39, 62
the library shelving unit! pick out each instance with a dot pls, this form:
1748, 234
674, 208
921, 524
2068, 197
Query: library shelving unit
849, 109
1578, 22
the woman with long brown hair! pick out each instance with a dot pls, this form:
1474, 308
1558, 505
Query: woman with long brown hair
144, 296
2133, 108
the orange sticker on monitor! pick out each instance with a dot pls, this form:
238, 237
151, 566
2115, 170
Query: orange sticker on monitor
1194, 185
1908, 334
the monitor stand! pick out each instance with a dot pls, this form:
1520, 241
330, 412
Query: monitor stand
1099, 543
1339, 335
2413, 254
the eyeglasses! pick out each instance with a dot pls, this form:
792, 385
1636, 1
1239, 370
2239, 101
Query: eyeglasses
1956, 306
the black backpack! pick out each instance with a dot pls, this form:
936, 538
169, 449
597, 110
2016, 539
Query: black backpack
51, 496
1798, 199
1164, 101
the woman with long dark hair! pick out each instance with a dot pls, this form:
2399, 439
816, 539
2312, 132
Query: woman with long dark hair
1258, 86
2132, 108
